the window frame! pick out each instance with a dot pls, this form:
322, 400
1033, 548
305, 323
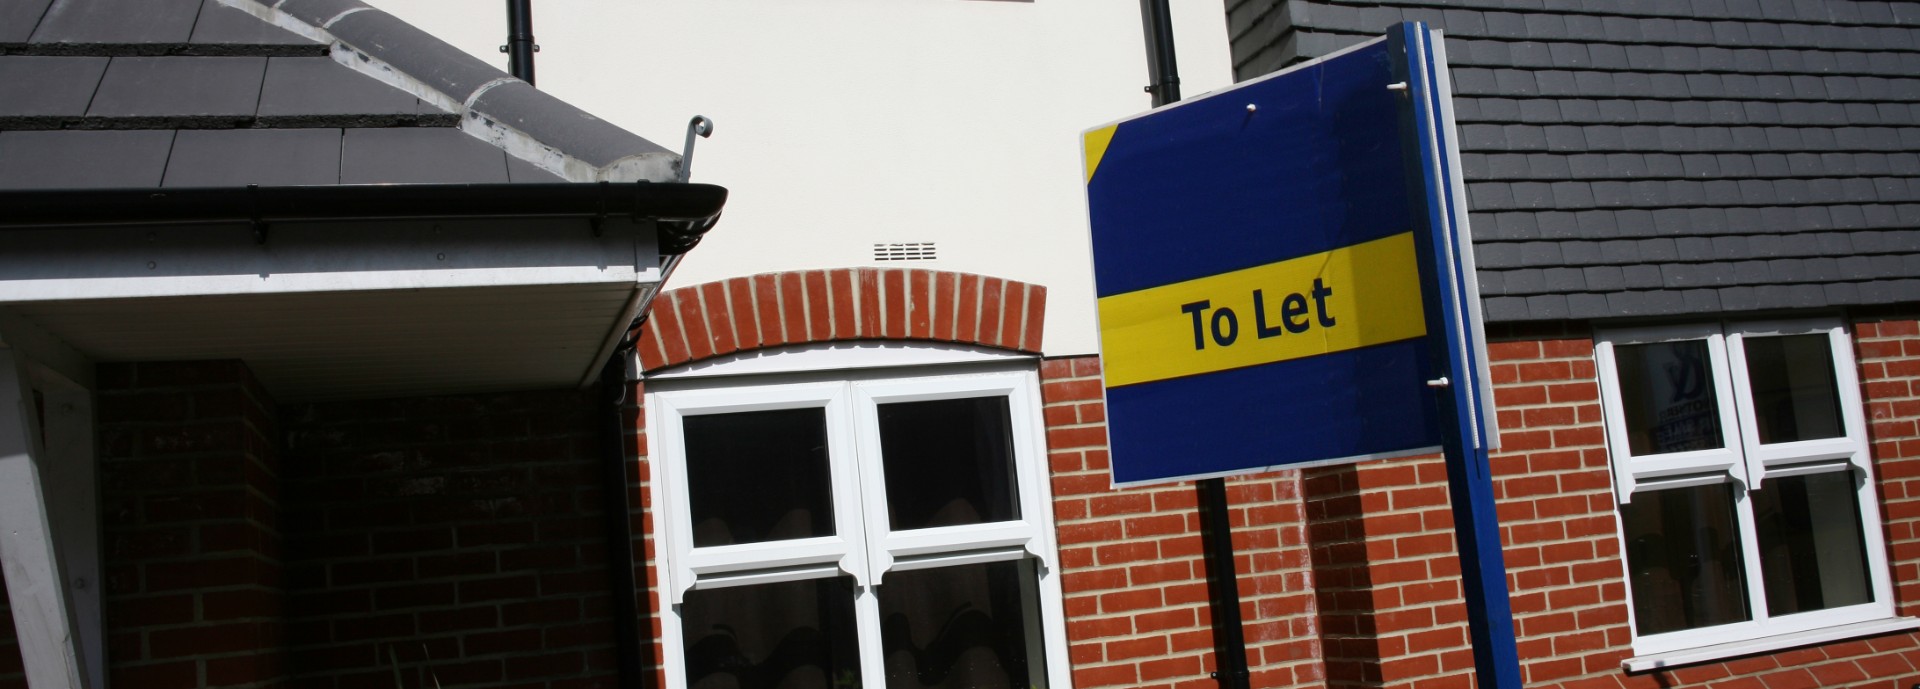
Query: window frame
864, 548
1745, 464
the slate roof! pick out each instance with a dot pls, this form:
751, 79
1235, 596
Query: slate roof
1642, 158
158, 93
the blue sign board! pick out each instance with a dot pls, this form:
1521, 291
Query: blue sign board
1283, 282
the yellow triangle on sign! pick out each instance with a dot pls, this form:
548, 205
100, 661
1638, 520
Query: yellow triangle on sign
1096, 146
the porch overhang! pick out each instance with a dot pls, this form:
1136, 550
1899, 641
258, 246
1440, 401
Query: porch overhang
343, 292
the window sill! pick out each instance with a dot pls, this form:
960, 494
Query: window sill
1671, 659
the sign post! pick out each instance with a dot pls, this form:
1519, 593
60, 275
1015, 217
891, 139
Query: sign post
1283, 283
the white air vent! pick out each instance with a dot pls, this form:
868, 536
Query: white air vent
909, 251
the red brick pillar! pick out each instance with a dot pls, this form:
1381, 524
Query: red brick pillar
1386, 576
1889, 359
191, 504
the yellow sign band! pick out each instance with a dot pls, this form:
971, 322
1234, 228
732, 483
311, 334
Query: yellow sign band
1352, 297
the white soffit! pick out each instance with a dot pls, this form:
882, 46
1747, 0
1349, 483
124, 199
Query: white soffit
342, 310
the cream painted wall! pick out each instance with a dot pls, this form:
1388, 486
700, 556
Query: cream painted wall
844, 123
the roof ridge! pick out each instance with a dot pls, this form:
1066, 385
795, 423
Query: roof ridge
500, 110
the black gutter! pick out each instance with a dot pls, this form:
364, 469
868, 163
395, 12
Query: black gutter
520, 46
684, 211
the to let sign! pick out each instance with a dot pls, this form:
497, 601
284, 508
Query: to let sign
1257, 256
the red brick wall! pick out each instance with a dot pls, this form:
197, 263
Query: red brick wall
458, 539
773, 309
190, 495
1136, 593
1387, 581
1565, 568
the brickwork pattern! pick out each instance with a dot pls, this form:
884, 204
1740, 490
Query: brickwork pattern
800, 307
1565, 568
458, 539
1136, 592
193, 548
1387, 580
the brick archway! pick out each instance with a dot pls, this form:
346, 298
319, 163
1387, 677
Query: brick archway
800, 307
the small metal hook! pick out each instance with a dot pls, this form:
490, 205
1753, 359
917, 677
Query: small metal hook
702, 127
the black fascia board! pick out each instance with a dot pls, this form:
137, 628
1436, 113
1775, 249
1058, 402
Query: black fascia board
684, 210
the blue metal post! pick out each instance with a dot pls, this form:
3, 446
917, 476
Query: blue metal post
1469, 480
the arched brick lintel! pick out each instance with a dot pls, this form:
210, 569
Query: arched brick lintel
799, 307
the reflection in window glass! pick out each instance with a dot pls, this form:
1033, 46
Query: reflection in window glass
1795, 396
1683, 559
947, 462
963, 627
790, 635
758, 476
1667, 392
1811, 550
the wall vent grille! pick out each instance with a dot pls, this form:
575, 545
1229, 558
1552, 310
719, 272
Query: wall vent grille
904, 251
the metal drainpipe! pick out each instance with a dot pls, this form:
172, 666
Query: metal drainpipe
632, 653
1216, 533
520, 47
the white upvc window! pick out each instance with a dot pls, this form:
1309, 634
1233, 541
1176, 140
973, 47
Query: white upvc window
846, 529
1742, 475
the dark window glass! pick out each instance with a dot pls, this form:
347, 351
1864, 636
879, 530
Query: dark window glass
1795, 396
965, 627
791, 635
758, 476
947, 462
1683, 559
1668, 396
1811, 550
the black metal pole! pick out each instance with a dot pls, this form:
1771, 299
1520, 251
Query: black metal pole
520, 39
1223, 585
1216, 531
1163, 73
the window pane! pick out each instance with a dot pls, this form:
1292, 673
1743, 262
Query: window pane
758, 476
1795, 396
1668, 394
947, 462
1683, 559
966, 627
790, 635
1811, 550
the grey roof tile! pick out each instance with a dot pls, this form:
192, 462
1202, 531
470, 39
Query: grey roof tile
1656, 250
1739, 298
310, 86
1558, 224
1496, 256
1641, 276
520, 172
1584, 306
83, 159
1841, 293
1525, 281
220, 24
122, 22
562, 126
408, 49
1595, 224
1537, 195
1507, 166
19, 17
1604, 278
1546, 306
172, 87
267, 157
1700, 300
1540, 254
1506, 309
35, 86
419, 155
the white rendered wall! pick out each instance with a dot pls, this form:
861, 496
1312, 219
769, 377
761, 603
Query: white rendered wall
844, 123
